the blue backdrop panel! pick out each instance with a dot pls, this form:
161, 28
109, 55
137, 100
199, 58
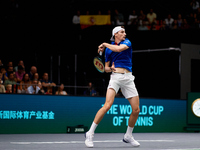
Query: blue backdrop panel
52, 114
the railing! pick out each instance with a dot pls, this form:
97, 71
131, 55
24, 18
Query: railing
49, 90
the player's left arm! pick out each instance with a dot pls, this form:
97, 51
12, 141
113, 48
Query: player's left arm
108, 68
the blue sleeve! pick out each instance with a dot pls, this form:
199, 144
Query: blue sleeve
126, 42
107, 55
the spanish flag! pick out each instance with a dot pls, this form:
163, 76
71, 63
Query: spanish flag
89, 20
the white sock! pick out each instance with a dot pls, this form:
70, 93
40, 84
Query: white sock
129, 131
93, 127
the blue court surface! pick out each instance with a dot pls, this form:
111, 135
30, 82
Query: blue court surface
102, 141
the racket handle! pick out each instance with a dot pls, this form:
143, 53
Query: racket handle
100, 53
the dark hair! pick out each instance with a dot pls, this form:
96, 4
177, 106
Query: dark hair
10, 72
20, 67
34, 75
24, 77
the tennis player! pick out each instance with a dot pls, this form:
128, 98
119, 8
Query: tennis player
118, 61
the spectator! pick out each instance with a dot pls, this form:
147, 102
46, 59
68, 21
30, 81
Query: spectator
60, 90
46, 82
9, 69
10, 64
1, 76
20, 63
132, 19
185, 24
49, 90
169, 21
90, 91
14, 87
141, 17
36, 76
2, 87
143, 26
190, 19
11, 79
9, 88
76, 18
41, 91
1, 64
24, 84
112, 19
77, 25
163, 26
32, 71
175, 25
20, 73
153, 27
179, 21
195, 22
119, 18
34, 88
151, 16
4, 77
194, 5
195, 16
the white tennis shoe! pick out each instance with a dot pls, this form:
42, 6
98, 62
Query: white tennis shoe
131, 140
89, 139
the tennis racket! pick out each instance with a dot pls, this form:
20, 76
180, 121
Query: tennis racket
98, 63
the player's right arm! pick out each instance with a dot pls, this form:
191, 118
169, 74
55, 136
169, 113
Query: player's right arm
114, 48
101, 48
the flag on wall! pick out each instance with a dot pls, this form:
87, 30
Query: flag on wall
89, 20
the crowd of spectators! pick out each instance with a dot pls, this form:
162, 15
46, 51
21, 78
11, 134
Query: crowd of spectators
150, 21
18, 80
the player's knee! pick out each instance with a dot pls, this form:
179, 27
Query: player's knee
135, 111
107, 107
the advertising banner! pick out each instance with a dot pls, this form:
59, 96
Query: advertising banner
53, 114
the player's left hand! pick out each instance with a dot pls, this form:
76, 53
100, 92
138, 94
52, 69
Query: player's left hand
113, 67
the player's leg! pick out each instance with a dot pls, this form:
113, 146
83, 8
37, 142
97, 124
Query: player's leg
128, 138
134, 102
110, 95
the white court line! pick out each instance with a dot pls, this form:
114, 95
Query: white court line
80, 142
183, 149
